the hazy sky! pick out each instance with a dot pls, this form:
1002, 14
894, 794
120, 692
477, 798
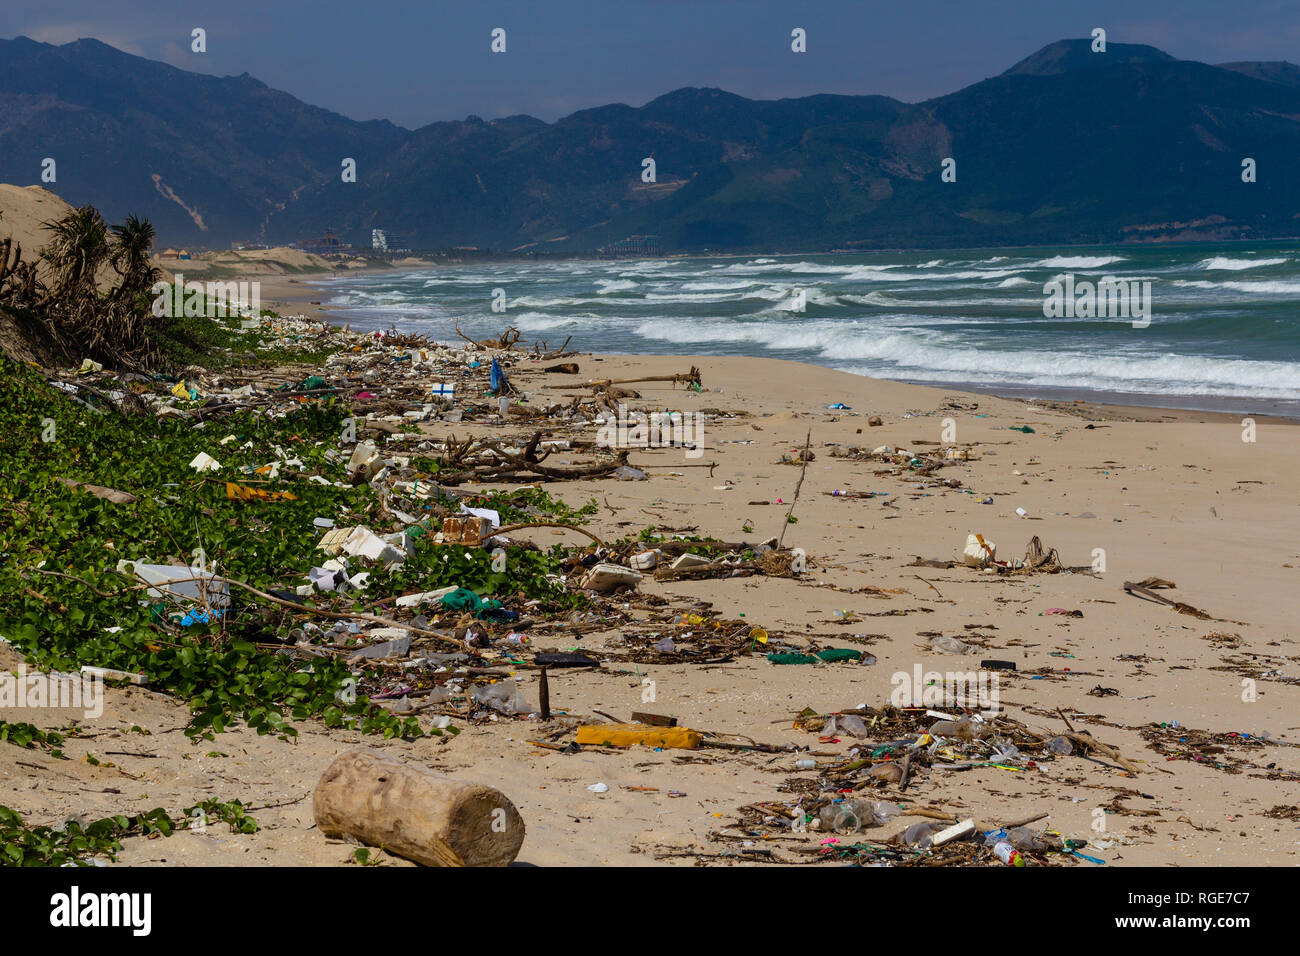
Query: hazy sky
417, 62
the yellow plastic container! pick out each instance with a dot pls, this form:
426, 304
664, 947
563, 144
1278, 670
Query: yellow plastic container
629, 735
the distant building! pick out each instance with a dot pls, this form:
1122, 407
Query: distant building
379, 240
633, 247
325, 245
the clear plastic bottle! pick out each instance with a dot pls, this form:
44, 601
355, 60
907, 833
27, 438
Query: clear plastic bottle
853, 816
846, 818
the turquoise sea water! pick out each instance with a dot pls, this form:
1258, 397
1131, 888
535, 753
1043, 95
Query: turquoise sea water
1224, 330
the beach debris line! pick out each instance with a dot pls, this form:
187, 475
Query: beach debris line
895, 750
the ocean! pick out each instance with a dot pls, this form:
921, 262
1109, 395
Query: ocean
1222, 332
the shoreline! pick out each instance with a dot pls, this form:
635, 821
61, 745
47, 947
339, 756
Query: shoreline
291, 293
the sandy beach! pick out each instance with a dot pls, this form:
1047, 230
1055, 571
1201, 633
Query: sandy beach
1201, 707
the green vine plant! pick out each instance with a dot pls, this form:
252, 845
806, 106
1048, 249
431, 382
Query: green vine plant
75, 845
64, 604
28, 736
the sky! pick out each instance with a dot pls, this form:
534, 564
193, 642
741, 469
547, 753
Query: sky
419, 62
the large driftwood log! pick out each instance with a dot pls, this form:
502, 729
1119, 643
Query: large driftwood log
416, 813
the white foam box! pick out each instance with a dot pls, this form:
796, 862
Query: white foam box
606, 577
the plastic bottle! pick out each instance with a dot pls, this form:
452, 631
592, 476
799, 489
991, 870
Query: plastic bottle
805, 764
963, 729
846, 819
1008, 854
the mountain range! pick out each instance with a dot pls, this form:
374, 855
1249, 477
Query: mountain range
1066, 146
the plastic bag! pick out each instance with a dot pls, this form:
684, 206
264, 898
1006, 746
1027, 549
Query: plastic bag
849, 724
503, 697
920, 834
950, 645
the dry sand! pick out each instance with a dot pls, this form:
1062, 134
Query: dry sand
1185, 500
23, 212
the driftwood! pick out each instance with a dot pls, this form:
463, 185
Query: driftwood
548, 524
415, 813
807, 443
691, 378
705, 572
674, 548
1088, 742
543, 352
1178, 606
531, 472
525, 463
505, 342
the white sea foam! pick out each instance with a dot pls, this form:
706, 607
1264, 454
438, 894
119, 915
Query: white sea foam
717, 286
1261, 287
1074, 262
1238, 265
927, 355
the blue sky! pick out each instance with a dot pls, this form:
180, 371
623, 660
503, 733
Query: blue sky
414, 63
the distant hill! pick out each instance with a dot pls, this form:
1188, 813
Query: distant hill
1274, 71
1065, 146
208, 159
1066, 56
